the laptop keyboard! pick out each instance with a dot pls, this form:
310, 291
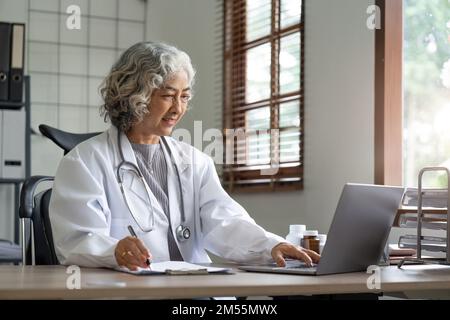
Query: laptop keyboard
295, 264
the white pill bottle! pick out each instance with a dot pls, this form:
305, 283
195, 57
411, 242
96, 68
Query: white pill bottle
295, 234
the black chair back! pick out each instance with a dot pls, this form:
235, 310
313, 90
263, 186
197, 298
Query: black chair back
36, 207
44, 249
66, 140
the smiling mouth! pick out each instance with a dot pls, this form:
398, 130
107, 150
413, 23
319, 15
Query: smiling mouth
170, 121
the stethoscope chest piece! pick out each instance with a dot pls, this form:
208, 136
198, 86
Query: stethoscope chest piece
183, 233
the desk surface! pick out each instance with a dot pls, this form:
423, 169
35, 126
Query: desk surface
49, 282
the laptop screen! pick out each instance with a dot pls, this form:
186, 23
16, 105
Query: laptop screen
360, 227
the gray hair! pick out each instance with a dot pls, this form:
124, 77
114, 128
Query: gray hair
127, 89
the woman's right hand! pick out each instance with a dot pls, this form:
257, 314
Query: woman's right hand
131, 252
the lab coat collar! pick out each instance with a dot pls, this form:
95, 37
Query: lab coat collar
181, 159
127, 149
179, 156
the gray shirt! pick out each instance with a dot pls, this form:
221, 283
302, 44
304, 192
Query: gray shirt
152, 163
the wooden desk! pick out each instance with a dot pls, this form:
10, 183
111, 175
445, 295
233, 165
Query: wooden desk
49, 282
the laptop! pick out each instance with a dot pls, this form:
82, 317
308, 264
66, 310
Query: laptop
358, 232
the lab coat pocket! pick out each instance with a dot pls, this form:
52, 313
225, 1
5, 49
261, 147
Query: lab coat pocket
119, 228
135, 188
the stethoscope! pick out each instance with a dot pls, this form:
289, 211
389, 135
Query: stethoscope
182, 232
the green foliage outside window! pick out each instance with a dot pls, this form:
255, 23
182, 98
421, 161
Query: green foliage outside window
426, 89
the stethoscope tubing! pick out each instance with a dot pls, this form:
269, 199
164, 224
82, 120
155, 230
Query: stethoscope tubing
123, 162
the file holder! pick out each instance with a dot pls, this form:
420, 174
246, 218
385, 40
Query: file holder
420, 214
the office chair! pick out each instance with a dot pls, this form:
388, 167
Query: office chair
66, 140
9, 252
37, 246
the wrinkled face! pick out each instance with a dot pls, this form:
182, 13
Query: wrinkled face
168, 105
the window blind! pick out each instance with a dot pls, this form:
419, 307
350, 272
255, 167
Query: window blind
263, 95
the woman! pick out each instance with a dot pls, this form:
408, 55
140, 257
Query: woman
135, 174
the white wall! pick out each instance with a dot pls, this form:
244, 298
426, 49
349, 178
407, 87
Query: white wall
193, 26
66, 67
339, 117
338, 101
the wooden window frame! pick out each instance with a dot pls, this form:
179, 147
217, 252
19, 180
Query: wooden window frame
389, 94
237, 177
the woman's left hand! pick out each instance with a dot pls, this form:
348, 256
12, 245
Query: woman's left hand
286, 250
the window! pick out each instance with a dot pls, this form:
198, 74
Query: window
388, 93
412, 91
263, 95
426, 74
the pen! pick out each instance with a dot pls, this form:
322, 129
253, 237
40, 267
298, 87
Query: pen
133, 234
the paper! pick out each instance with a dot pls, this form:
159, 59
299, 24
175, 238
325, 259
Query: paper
429, 243
435, 198
175, 268
429, 221
394, 250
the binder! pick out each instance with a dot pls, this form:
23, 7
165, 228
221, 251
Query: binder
13, 144
5, 51
1, 143
17, 62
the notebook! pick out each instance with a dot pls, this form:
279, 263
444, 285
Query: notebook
175, 268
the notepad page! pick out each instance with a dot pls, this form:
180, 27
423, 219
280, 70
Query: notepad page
175, 265
162, 267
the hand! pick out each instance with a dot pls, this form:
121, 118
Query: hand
130, 252
287, 250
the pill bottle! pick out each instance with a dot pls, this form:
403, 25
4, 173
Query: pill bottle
295, 233
323, 240
311, 240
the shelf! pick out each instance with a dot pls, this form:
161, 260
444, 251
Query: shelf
11, 180
408, 210
9, 105
428, 222
432, 244
403, 210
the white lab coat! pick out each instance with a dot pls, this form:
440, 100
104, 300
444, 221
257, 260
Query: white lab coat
89, 216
